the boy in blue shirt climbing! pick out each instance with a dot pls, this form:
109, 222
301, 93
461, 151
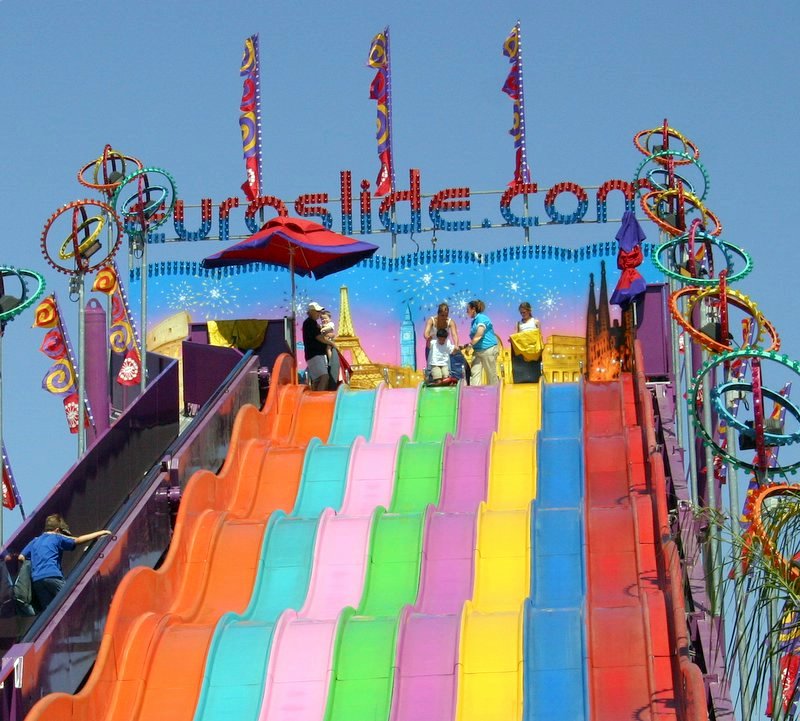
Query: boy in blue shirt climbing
45, 551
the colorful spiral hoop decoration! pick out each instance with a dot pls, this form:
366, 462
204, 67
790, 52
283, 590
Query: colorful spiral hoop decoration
662, 134
104, 179
771, 439
734, 298
768, 538
27, 297
139, 211
90, 239
720, 362
660, 196
84, 251
685, 159
681, 243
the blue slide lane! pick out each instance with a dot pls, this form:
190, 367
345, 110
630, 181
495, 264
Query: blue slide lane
236, 666
352, 416
555, 664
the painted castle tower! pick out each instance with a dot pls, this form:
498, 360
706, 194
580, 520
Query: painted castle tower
608, 345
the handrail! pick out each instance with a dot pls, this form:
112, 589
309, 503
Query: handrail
150, 487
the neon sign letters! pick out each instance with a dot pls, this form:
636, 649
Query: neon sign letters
442, 208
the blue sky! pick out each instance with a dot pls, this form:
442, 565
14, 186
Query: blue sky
160, 81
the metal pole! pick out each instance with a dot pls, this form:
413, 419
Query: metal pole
293, 338
525, 212
715, 580
2, 459
394, 226
774, 619
143, 286
740, 628
81, 364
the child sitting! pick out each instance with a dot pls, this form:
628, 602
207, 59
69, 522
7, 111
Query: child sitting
441, 348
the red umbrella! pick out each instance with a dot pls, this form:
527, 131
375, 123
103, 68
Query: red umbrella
302, 246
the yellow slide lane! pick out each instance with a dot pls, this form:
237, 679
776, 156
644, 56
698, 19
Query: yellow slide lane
490, 651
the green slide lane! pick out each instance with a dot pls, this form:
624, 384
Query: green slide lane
437, 413
418, 479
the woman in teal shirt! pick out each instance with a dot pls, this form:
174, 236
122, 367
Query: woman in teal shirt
484, 344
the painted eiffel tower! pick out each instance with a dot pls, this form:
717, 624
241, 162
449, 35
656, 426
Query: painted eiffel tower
364, 372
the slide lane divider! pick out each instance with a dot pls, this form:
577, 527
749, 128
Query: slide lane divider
556, 686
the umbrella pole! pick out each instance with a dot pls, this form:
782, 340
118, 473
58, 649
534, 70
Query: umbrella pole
293, 333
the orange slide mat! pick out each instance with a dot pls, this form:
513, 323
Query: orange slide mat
152, 654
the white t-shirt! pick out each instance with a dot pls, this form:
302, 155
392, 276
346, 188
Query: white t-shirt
530, 324
440, 353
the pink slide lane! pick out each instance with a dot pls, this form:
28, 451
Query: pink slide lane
478, 408
427, 650
395, 414
298, 674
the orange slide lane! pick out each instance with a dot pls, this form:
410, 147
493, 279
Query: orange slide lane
151, 658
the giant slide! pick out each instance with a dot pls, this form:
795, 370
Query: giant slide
477, 553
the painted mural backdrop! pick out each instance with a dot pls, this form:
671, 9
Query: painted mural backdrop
387, 297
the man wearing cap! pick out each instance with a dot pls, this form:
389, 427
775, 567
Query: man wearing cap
315, 345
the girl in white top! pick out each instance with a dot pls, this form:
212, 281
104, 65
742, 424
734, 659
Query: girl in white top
527, 322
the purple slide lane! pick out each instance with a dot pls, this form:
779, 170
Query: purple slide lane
395, 414
298, 674
427, 650
478, 409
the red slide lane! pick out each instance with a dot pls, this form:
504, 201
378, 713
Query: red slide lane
152, 654
630, 665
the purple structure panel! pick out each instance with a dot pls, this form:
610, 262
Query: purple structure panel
654, 331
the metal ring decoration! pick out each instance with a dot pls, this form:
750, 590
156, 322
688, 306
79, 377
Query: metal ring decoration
87, 242
139, 210
660, 196
107, 184
707, 435
131, 207
734, 298
729, 251
754, 511
773, 439
683, 159
689, 148
659, 186
81, 259
27, 297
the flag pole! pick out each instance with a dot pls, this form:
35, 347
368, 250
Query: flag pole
391, 141
2, 445
525, 172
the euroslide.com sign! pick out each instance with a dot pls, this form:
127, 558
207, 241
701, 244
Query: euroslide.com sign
449, 209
